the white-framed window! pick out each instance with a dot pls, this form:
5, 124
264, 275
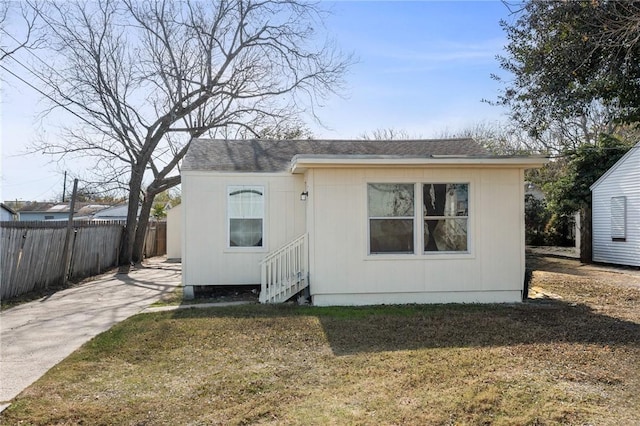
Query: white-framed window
391, 217
396, 226
619, 218
446, 216
245, 212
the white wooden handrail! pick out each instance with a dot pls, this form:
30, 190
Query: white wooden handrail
285, 271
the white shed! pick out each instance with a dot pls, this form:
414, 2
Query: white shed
355, 222
616, 212
174, 232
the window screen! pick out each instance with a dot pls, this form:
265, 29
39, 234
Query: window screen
246, 216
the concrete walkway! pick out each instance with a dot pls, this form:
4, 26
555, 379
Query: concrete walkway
37, 335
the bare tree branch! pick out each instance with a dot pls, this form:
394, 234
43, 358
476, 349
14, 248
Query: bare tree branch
145, 76
27, 40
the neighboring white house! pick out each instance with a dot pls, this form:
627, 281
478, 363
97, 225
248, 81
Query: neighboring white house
355, 222
7, 214
616, 212
174, 232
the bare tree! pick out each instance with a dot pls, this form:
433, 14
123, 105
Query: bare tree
497, 137
386, 134
144, 77
11, 43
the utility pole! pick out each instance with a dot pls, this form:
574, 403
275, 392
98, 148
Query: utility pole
66, 255
64, 186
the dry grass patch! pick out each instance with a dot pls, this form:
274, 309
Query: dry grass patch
545, 362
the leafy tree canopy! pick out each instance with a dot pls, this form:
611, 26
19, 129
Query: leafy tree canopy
570, 192
574, 63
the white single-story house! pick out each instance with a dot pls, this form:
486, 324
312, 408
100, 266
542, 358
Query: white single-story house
615, 214
355, 222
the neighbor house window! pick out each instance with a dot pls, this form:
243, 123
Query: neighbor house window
446, 216
391, 217
618, 218
246, 216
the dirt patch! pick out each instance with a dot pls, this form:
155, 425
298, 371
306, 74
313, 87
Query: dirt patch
608, 289
570, 252
610, 293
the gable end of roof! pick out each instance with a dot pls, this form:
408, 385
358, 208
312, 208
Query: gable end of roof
615, 166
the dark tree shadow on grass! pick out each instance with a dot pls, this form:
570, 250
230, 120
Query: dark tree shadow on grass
368, 329
352, 330
534, 323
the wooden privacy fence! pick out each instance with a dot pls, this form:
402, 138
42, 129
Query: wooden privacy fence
155, 242
32, 253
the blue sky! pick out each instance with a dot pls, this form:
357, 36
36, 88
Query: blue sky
423, 67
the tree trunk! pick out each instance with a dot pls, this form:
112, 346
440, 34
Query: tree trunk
586, 255
141, 230
159, 184
135, 184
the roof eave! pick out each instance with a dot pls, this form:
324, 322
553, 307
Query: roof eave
301, 163
9, 209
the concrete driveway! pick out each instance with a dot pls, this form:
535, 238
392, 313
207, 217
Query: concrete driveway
37, 335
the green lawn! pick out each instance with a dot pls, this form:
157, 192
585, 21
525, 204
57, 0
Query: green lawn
544, 362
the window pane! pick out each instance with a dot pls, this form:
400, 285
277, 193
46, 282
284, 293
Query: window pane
390, 200
445, 235
245, 232
245, 202
391, 235
446, 199
245, 206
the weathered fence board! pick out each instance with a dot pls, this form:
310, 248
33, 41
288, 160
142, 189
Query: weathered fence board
30, 259
31, 252
94, 249
155, 242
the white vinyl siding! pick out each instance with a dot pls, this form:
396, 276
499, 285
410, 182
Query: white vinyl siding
616, 234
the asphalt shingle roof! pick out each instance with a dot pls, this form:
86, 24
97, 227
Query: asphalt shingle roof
257, 155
